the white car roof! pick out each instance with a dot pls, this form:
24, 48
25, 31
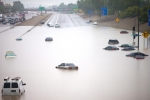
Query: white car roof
16, 79
9, 52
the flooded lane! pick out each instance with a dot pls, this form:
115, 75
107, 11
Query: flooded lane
102, 75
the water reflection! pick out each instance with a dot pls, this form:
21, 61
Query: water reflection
10, 97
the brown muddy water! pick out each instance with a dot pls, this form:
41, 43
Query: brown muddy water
102, 75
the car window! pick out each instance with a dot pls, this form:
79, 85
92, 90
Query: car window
70, 64
113, 41
62, 64
6, 85
14, 85
10, 54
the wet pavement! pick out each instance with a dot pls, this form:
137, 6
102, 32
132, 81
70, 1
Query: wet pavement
102, 75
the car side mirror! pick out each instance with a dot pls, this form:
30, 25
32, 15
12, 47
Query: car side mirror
24, 83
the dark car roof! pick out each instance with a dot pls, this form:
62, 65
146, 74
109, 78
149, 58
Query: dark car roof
135, 52
127, 44
112, 46
18, 38
48, 37
124, 31
112, 39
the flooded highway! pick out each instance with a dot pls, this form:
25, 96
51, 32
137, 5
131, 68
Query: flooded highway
102, 75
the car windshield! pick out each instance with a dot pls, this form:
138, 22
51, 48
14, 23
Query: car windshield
113, 47
109, 46
129, 45
10, 54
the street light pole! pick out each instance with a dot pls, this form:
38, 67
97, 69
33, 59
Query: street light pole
138, 24
78, 6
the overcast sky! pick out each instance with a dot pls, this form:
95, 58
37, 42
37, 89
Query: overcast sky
36, 3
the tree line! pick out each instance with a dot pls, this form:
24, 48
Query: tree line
17, 6
123, 8
70, 6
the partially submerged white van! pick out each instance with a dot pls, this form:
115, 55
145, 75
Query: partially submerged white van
10, 54
13, 86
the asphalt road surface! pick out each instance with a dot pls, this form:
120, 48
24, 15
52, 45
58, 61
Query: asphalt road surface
67, 20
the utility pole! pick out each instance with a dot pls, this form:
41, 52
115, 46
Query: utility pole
78, 6
138, 24
91, 7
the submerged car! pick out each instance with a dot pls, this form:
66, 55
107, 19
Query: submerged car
128, 49
49, 39
18, 39
67, 66
126, 45
133, 54
124, 32
95, 23
13, 86
111, 48
10, 54
113, 41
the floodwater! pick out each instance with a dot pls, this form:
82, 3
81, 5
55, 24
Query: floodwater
102, 75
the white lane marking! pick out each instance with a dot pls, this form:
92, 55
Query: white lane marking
49, 19
57, 18
53, 21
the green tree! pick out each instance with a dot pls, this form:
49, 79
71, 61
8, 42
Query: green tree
1, 7
63, 6
71, 6
17, 6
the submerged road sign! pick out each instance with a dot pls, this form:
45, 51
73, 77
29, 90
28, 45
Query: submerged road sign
145, 34
117, 19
